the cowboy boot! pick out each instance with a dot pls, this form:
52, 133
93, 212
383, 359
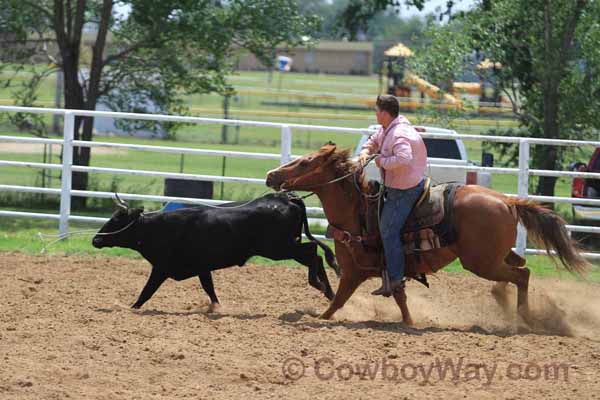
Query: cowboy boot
389, 287
384, 290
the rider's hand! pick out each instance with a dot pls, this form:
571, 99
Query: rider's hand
362, 159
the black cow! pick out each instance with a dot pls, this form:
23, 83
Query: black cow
195, 241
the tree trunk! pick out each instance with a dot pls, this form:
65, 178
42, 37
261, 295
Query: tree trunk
68, 26
74, 100
81, 156
549, 156
69, 42
555, 60
546, 184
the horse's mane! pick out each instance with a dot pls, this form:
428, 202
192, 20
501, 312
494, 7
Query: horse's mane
343, 164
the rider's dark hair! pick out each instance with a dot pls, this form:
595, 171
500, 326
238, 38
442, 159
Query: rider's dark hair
388, 103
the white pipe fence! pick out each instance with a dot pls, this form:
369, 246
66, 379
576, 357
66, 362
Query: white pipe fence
285, 155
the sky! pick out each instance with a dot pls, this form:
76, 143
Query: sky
431, 5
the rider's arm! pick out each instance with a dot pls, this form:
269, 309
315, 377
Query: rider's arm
402, 155
371, 146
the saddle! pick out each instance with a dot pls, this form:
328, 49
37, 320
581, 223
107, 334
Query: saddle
429, 225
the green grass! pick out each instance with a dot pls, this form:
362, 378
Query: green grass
37, 237
20, 234
210, 165
246, 105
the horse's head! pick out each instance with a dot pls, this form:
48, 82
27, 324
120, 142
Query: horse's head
308, 171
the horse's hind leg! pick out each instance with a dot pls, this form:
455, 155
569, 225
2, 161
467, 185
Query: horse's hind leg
499, 288
514, 259
502, 273
400, 297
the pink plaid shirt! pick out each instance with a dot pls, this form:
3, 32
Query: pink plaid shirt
403, 155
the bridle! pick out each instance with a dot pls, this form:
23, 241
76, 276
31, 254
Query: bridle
356, 173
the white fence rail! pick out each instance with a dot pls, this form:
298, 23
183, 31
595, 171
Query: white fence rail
284, 156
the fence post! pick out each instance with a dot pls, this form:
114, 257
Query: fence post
66, 174
286, 144
523, 192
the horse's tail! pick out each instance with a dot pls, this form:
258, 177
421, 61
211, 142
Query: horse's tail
548, 229
329, 256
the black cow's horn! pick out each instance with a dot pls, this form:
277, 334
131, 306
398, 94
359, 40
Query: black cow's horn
120, 203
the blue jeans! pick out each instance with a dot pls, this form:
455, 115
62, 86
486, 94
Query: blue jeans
397, 206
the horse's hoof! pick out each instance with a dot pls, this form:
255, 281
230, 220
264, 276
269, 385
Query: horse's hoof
501, 299
214, 307
408, 322
525, 314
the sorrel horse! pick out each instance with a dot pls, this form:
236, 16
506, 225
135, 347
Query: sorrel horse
485, 222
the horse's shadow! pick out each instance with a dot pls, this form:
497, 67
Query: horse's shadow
306, 319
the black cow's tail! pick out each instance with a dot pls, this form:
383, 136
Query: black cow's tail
329, 256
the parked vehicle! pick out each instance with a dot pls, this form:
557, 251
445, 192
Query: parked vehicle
444, 154
586, 188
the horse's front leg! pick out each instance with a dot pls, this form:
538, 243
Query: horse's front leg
349, 281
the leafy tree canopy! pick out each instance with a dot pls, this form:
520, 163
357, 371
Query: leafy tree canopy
548, 58
159, 50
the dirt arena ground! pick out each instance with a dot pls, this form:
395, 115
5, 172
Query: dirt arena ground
66, 331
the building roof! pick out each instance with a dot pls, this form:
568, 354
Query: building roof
332, 45
342, 45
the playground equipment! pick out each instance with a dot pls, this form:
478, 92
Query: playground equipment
402, 83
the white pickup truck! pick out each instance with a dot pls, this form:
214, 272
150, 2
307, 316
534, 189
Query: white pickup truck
442, 156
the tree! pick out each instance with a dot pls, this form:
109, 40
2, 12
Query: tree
358, 14
549, 55
384, 25
159, 50
327, 11
548, 51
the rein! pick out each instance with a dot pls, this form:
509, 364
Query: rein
318, 185
340, 235
359, 170
346, 237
